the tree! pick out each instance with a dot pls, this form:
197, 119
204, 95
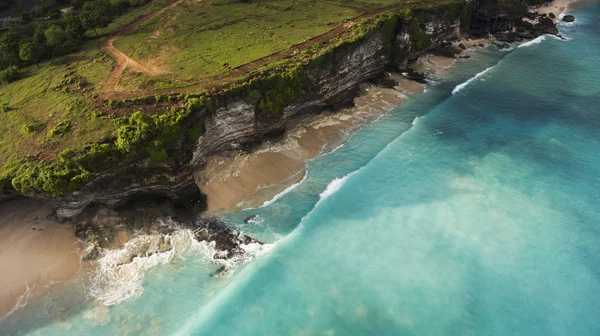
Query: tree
31, 52
73, 24
9, 50
9, 74
96, 14
56, 36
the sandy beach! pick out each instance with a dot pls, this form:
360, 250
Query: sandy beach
35, 252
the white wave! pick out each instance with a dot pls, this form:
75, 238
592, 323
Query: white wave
536, 40
463, 85
21, 301
334, 186
415, 121
339, 146
561, 37
283, 193
120, 271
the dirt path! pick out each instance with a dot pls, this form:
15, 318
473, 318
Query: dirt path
217, 81
110, 88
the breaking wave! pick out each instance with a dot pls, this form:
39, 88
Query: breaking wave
536, 40
283, 193
463, 85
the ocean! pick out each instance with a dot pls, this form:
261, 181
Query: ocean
471, 209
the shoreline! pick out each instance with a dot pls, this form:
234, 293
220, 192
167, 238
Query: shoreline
248, 180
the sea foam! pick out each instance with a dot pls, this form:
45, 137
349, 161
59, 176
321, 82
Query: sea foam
120, 273
463, 85
536, 40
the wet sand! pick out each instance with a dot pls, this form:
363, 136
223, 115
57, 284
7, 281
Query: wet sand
35, 252
433, 64
249, 180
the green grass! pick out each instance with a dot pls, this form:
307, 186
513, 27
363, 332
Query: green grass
207, 38
38, 107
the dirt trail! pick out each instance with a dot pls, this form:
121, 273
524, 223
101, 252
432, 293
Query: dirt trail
217, 81
110, 88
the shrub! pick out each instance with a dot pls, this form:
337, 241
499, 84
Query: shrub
60, 129
32, 126
9, 74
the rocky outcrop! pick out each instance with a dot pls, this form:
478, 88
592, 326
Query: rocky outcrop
568, 18
184, 195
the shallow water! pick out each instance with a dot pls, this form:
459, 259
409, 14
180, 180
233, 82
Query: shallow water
470, 209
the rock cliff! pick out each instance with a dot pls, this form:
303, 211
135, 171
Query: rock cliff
236, 123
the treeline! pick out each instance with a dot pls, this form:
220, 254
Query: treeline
53, 29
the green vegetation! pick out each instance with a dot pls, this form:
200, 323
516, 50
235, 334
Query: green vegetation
31, 126
67, 133
417, 35
138, 136
61, 128
45, 32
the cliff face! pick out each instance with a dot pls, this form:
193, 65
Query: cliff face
237, 123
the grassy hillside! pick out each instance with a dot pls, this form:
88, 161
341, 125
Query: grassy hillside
64, 103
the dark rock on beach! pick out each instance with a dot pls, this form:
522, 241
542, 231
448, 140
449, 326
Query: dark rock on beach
552, 16
462, 46
568, 18
413, 75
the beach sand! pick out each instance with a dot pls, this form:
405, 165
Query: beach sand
249, 179
556, 7
35, 252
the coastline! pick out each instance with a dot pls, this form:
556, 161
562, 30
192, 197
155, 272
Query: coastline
246, 180
250, 180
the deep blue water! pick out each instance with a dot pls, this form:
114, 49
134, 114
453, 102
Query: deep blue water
480, 217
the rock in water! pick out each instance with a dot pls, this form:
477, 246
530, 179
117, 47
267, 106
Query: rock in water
568, 18
249, 218
462, 46
227, 241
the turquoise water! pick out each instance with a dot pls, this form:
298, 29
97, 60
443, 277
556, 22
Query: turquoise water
466, 213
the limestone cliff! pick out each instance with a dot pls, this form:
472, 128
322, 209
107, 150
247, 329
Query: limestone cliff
237, 122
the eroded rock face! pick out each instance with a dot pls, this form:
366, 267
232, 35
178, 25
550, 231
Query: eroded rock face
237, 124
185, 195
